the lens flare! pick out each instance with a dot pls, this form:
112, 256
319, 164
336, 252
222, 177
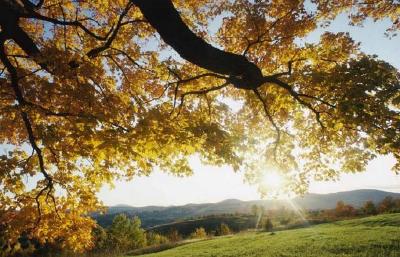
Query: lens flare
273, 180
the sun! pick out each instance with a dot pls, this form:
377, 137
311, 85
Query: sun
273, 180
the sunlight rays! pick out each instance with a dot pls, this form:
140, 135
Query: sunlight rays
298, 211
273, 183
273, 180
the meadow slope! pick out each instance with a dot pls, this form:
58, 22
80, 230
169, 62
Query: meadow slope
377, 236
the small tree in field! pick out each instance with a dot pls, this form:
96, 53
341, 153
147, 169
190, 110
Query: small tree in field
369, 208
387, 204
174, 235
268, 226
254, 210
126, 234
284, 221
199, 233
223, 230
344, 210
397, 207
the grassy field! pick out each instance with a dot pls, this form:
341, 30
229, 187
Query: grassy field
377, 236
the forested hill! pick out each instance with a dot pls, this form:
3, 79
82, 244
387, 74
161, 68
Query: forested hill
156, 215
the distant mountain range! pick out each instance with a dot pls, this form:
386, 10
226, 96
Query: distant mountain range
156, 215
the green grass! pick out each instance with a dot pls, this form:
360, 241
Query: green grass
377, 236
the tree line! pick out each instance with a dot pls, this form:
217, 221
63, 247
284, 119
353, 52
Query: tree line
342, 210
123, 235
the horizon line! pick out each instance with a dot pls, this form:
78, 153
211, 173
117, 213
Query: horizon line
276, 199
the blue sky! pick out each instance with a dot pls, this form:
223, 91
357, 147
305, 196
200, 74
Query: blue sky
213, 184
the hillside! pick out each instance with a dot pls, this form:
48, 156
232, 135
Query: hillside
377, 236
211, 223
156, 215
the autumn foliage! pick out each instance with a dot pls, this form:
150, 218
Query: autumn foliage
92, 91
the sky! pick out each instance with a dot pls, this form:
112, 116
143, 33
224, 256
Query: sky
214, 184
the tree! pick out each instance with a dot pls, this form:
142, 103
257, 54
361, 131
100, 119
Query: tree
257, 210
397, 201
153, 238
254, 210
284, 220
223, 230
174, 235
100, 238
387, 204
199, 233
91, 92
344, 210
369, 208
126, 234
267, 225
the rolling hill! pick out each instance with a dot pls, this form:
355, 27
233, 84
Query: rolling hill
376, 236
156, 215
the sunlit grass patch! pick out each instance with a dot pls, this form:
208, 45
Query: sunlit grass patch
377, 236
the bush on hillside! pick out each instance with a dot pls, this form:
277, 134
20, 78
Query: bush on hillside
155, 239
223, 230
199, 233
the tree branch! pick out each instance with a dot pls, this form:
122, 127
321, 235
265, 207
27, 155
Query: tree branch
94, 52
28, 125
199, 92
75, 23
76, 115
163, 16
295, 95
271, 120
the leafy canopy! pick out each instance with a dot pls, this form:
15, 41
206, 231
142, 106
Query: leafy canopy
90, 92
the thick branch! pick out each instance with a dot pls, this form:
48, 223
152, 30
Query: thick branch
11, 30
28, 4
163, 16
28, 125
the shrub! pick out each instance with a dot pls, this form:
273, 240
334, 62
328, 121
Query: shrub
223, 230
199, 233
155, 239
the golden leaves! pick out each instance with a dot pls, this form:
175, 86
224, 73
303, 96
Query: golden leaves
121, 113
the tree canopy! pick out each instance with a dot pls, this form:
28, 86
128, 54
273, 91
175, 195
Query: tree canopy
93, 91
